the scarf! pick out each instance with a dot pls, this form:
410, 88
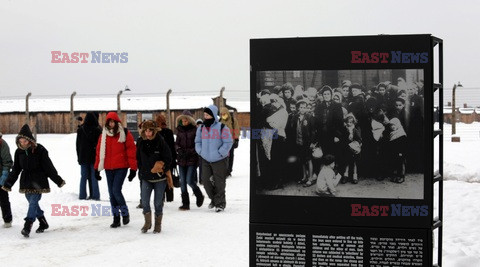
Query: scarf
350, 132
103, 142
208, 122
377, 129
399, 132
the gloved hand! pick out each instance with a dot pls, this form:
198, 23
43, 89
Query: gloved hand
235, 143
132, 175
3, 178
97, 175
6, 189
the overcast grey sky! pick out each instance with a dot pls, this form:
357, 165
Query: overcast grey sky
202, 45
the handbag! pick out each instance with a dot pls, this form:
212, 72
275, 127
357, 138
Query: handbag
317, 152
175, 178
355, 147
169, 194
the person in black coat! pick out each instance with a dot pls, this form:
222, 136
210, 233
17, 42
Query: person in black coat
187, 158
34, 164
87, 138
167, 135
152, 149
328, 121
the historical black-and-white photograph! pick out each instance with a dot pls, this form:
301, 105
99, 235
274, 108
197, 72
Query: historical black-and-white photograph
340, 133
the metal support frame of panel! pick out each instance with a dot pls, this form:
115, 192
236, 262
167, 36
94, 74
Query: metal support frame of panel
438, 177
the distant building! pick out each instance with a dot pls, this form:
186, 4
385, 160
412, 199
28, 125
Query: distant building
52, 115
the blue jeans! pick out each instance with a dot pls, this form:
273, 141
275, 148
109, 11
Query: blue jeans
159, 188
88, 173
34, 210
187, 177
115, 179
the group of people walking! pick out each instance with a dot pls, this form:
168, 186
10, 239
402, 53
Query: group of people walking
112, 149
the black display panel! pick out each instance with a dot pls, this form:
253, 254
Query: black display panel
355, 148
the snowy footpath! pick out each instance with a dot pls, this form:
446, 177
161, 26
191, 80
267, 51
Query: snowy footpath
201, 237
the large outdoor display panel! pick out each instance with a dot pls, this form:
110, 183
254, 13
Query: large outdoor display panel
341, 151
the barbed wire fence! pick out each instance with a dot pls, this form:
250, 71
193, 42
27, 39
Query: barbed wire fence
243, 95
464, 96
60, 121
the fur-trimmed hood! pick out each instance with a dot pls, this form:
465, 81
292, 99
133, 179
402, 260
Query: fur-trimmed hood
26, 133
224, 110
185, 114
149, 124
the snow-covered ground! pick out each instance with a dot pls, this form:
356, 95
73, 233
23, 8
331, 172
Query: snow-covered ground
201, 237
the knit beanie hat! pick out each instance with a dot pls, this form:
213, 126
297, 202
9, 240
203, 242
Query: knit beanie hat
187, 112
209, 112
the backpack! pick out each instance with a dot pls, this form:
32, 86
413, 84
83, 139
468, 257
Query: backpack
221, 126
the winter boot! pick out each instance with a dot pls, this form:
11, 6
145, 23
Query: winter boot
219, 209
7, 224
158, 224
140, 206
355, 179
148, 222
126, 219
116, 221
211, 205
43, 224
185, 202
200, 197
27, 227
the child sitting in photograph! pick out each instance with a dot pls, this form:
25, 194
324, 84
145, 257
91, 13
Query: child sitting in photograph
327, 180
396, 150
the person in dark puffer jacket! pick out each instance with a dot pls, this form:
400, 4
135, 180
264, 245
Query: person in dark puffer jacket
34, 164
151, 151
187, 158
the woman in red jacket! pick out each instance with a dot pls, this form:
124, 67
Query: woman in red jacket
116, 152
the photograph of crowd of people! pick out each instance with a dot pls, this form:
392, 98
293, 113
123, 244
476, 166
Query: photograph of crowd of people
344, 133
